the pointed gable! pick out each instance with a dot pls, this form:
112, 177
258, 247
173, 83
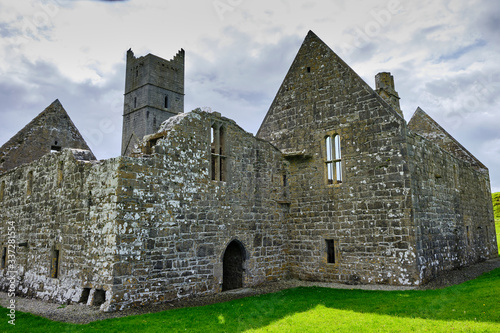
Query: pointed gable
422, 124
51, 130
320, 90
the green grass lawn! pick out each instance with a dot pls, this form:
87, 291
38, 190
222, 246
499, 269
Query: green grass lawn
470, 307
473, 306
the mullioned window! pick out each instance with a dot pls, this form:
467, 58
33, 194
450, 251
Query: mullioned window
333, 160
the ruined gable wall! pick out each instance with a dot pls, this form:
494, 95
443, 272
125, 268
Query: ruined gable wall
368, 214
52, 127
67, 209
175, 222
452, 210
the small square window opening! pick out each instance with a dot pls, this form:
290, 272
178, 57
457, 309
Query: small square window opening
330, 251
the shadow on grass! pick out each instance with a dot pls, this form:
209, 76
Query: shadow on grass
476, 300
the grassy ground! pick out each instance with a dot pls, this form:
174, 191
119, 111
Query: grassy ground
496, 209
469, 307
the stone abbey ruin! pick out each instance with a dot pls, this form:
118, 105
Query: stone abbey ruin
335, 186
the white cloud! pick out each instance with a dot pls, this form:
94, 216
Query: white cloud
443, 55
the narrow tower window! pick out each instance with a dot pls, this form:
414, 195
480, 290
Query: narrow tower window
4, 257
467, 236
60, 173
2, 190
54, 264
135, 102
29, 185
333, 160
330, 251
218, 153
166, 102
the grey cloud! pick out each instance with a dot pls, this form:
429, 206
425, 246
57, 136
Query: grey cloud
460, 51
245, 74
7, 31
488, 20
95, 110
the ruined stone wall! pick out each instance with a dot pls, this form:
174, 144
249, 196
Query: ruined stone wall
367, 215
175, 222
59, 203
452, 210
52, 128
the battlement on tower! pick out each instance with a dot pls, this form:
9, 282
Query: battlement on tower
151, 69
154, 92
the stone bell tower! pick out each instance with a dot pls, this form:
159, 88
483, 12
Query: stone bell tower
154, 92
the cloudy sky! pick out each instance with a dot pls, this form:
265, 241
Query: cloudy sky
444, 55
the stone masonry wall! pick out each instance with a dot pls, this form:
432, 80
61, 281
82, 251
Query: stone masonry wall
452, 210
175, 222
368, 214
64, 204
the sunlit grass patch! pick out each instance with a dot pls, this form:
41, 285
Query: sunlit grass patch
473, 306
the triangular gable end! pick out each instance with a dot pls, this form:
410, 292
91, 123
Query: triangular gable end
422, 124
51, 130
316, 69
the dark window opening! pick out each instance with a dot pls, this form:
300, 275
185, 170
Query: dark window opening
136, 73
29, 185
285, 181
2, 190
309, 69
4, 257
330, 251
99, 297
54, 149
166, 102
467, 239
84, 298
60, 174
135, 102
54, 264
218, 153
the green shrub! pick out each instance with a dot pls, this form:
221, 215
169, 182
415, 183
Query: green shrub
496, 209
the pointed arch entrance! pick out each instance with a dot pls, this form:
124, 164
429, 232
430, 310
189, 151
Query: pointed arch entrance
232, 266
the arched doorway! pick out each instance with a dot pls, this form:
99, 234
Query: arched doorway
232, 266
